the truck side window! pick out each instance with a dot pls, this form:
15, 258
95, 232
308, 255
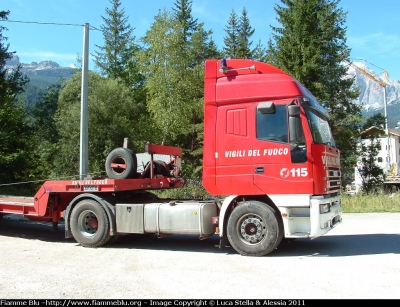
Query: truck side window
273, 126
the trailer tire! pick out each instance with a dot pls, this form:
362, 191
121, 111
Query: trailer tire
121, 163
254, 229
89, 224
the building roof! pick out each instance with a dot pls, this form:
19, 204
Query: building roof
394, 131
377, 131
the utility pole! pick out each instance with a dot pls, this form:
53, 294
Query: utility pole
388, 165
83, 166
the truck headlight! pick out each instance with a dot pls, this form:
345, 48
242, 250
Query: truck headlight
324, 208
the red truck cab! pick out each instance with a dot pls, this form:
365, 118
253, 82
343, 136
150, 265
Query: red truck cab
267, 139
255, 144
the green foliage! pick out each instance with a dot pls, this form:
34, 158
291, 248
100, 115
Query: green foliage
113, 115
245, 32
237, 42
45, 134
11, 83
183, 14
160, 64
393, 111
32, 94
372, 175
231, 41
114, 57
311, 46
377, 120
40, 81
43, 112
15, 150
192, 190
173, 66
15, 131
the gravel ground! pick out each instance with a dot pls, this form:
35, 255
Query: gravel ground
358, 259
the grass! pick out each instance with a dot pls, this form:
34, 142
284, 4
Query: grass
359, 203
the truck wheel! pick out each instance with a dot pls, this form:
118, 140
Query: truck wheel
121, 163
254, 229
89, 224
113, 239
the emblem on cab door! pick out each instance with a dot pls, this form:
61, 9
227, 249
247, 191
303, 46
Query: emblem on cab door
284, 173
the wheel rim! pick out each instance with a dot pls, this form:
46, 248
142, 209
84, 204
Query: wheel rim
88, 223
118, 165
251, 229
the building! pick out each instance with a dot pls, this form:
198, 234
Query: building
388, 157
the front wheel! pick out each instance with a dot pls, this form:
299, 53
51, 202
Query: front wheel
254, 229
89, 224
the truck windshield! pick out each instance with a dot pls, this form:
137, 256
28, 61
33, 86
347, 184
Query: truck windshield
319, 126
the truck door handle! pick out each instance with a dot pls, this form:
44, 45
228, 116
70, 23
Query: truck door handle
259, 170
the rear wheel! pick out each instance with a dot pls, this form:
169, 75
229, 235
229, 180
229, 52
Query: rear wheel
89, 224
254, 229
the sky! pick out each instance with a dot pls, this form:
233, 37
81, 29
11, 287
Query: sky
53, 29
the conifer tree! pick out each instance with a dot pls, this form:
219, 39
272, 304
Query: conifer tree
244, 35
114, 57
311, 46
183, 14
238, 40
14, 126
11, 82
231, 41
119, 59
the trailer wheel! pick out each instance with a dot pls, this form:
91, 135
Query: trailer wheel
89, 224
254, 229
121, 163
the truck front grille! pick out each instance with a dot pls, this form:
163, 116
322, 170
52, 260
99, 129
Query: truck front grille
333, 179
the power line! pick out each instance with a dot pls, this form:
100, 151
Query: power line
51, 23
45, 23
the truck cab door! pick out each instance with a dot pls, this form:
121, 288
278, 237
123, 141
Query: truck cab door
234, 165
280, 166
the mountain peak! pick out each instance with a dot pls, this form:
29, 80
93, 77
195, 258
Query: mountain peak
14, 61
372, 94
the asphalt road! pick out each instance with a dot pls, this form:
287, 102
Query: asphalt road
359, 259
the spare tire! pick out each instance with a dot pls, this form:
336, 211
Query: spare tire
121, 163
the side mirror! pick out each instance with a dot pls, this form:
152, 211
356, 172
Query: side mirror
295, 127
294, 110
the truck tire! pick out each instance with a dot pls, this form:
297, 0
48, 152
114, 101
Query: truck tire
113, 239
89, 224
254, 229
121, 163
